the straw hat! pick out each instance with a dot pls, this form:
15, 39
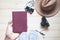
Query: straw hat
47, 8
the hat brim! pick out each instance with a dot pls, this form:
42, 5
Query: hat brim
54, 12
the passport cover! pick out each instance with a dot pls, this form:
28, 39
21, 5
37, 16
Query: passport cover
19, 21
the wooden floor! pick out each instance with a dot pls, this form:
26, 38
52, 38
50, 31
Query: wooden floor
6, 8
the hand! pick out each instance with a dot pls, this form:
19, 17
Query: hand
9, 34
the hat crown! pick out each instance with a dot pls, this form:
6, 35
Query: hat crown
48, 5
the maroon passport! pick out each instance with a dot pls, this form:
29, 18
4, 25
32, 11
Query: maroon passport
19, 21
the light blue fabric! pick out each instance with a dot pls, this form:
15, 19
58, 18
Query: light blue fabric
32, 36
23, 36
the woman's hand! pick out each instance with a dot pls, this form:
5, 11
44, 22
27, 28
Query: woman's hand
10, 35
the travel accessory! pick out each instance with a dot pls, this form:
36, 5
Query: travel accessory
30, 10
47, 8
44, 22
19, 19
30, 7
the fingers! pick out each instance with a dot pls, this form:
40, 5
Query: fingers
7, 38
10, 23
10, 34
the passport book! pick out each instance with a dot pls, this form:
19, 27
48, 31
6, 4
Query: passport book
19, 21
